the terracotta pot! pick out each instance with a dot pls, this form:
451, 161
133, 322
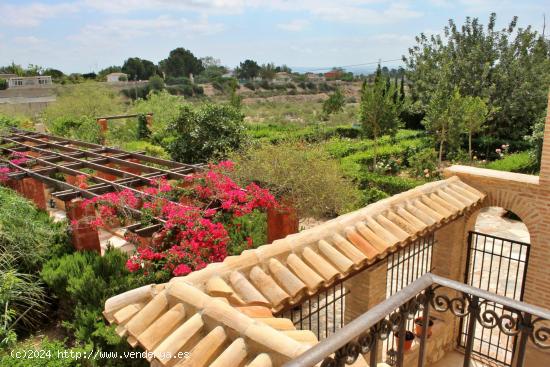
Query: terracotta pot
418, 327
409, 337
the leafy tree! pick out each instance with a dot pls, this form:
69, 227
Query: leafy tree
509, 68
378, 114
207, 132
156, 83
283, 68
213, 70
444, 119
139, 69
335, 103
181, 62
248, 69
474, 115
267, 71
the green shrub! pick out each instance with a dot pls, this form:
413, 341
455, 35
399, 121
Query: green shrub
251, 227
22, 300
147, 147
143, 131
207, 132
301, 172
88, 100
165, 109
423, 163
27, 234
521, 162
81, 282
48, 353
3, 84
83, 128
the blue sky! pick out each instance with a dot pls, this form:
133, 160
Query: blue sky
87, 35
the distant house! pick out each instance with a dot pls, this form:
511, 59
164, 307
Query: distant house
116, 77
7, 76
29, 81
282, 77
312, 77
333, 74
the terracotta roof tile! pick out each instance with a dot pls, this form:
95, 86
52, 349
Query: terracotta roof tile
223, 314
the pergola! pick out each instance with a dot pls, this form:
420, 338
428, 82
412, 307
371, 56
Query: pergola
109, 169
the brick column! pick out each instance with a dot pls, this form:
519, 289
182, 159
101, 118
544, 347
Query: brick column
33, 190
103, 127
545, 160
84, 236
367, 289
281, 221
449, 261
149, 119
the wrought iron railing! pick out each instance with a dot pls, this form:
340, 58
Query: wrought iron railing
363, 335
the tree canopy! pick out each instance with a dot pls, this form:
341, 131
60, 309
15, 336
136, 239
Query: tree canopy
508, 68
181, 62
139, 69
248, 69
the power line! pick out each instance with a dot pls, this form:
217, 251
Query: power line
354, 65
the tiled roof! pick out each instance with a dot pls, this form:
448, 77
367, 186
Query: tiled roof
226, 308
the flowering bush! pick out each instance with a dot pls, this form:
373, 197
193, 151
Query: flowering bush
203, 216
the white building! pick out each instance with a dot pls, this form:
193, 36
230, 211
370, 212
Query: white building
29, 81
116, 77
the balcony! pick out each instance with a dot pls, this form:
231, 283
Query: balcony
528, 324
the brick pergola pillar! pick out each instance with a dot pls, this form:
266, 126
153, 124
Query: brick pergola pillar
84, 236
33, 190
103, 128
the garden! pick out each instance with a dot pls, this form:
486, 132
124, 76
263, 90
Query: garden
321, 157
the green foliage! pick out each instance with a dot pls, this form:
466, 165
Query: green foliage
423, 163
3, 84
250, 227
48, 353
156, 83
150, 149
535, 140
181, 62
8, 122
301, 172
509, 68
206, 132
335, 103
139, 69
443, 119
26, 234
81, 128
521, 162
474, 113
79, 105
267, 71
143, 131
165, 109
248, 69
22, 300
81, 282
378, 114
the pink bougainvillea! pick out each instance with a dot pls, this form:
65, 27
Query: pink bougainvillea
194, 231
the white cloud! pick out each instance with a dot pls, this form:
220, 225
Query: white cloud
34, 14
295, 25
27, 40
115, 31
